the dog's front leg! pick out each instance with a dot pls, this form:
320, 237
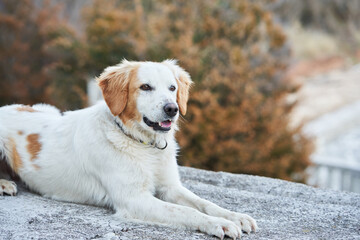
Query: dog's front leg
180, 195
146, 207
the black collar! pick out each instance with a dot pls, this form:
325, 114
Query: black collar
151, 144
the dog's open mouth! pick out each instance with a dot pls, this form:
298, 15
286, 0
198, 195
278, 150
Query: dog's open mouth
158, 126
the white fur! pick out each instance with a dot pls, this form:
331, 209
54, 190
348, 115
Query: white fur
86, 158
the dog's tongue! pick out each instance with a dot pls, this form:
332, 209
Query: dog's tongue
165, 124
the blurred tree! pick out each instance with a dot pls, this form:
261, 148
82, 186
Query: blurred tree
237, 117
112, 34
38, 56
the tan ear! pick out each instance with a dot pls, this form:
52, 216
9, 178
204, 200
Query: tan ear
114, 84
184, 83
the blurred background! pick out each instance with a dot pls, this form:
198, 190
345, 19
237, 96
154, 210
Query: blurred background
277, 82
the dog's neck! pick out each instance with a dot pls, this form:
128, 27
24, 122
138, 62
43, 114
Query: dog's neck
140, 136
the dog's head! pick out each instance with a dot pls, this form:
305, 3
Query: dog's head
147, 94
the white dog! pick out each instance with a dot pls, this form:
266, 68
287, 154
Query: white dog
119, 153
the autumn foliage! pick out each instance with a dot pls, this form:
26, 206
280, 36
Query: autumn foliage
237, 117
38, 56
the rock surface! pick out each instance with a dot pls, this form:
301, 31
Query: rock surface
283, 210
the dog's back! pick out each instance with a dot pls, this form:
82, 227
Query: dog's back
21, 122
47, 150
19, 128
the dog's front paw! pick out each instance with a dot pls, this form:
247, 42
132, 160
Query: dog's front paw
7, 187
221, 227
246, 222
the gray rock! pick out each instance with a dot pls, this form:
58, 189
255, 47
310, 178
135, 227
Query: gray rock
283, 210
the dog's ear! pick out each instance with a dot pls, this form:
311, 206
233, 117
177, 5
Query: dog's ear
184, 83
114, 84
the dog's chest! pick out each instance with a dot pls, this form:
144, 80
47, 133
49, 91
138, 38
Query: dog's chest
154, 166
140, 164
150, 166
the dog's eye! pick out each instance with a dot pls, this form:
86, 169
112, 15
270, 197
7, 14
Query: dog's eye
146, 87
172, 88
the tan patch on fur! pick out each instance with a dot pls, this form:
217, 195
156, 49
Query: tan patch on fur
131, 112
114, 83
183, 93
119, 86
33, 145
20, 132
26, 108
115, 95
16, 163
37, 167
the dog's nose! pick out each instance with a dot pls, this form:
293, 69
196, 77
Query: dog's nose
171, 109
